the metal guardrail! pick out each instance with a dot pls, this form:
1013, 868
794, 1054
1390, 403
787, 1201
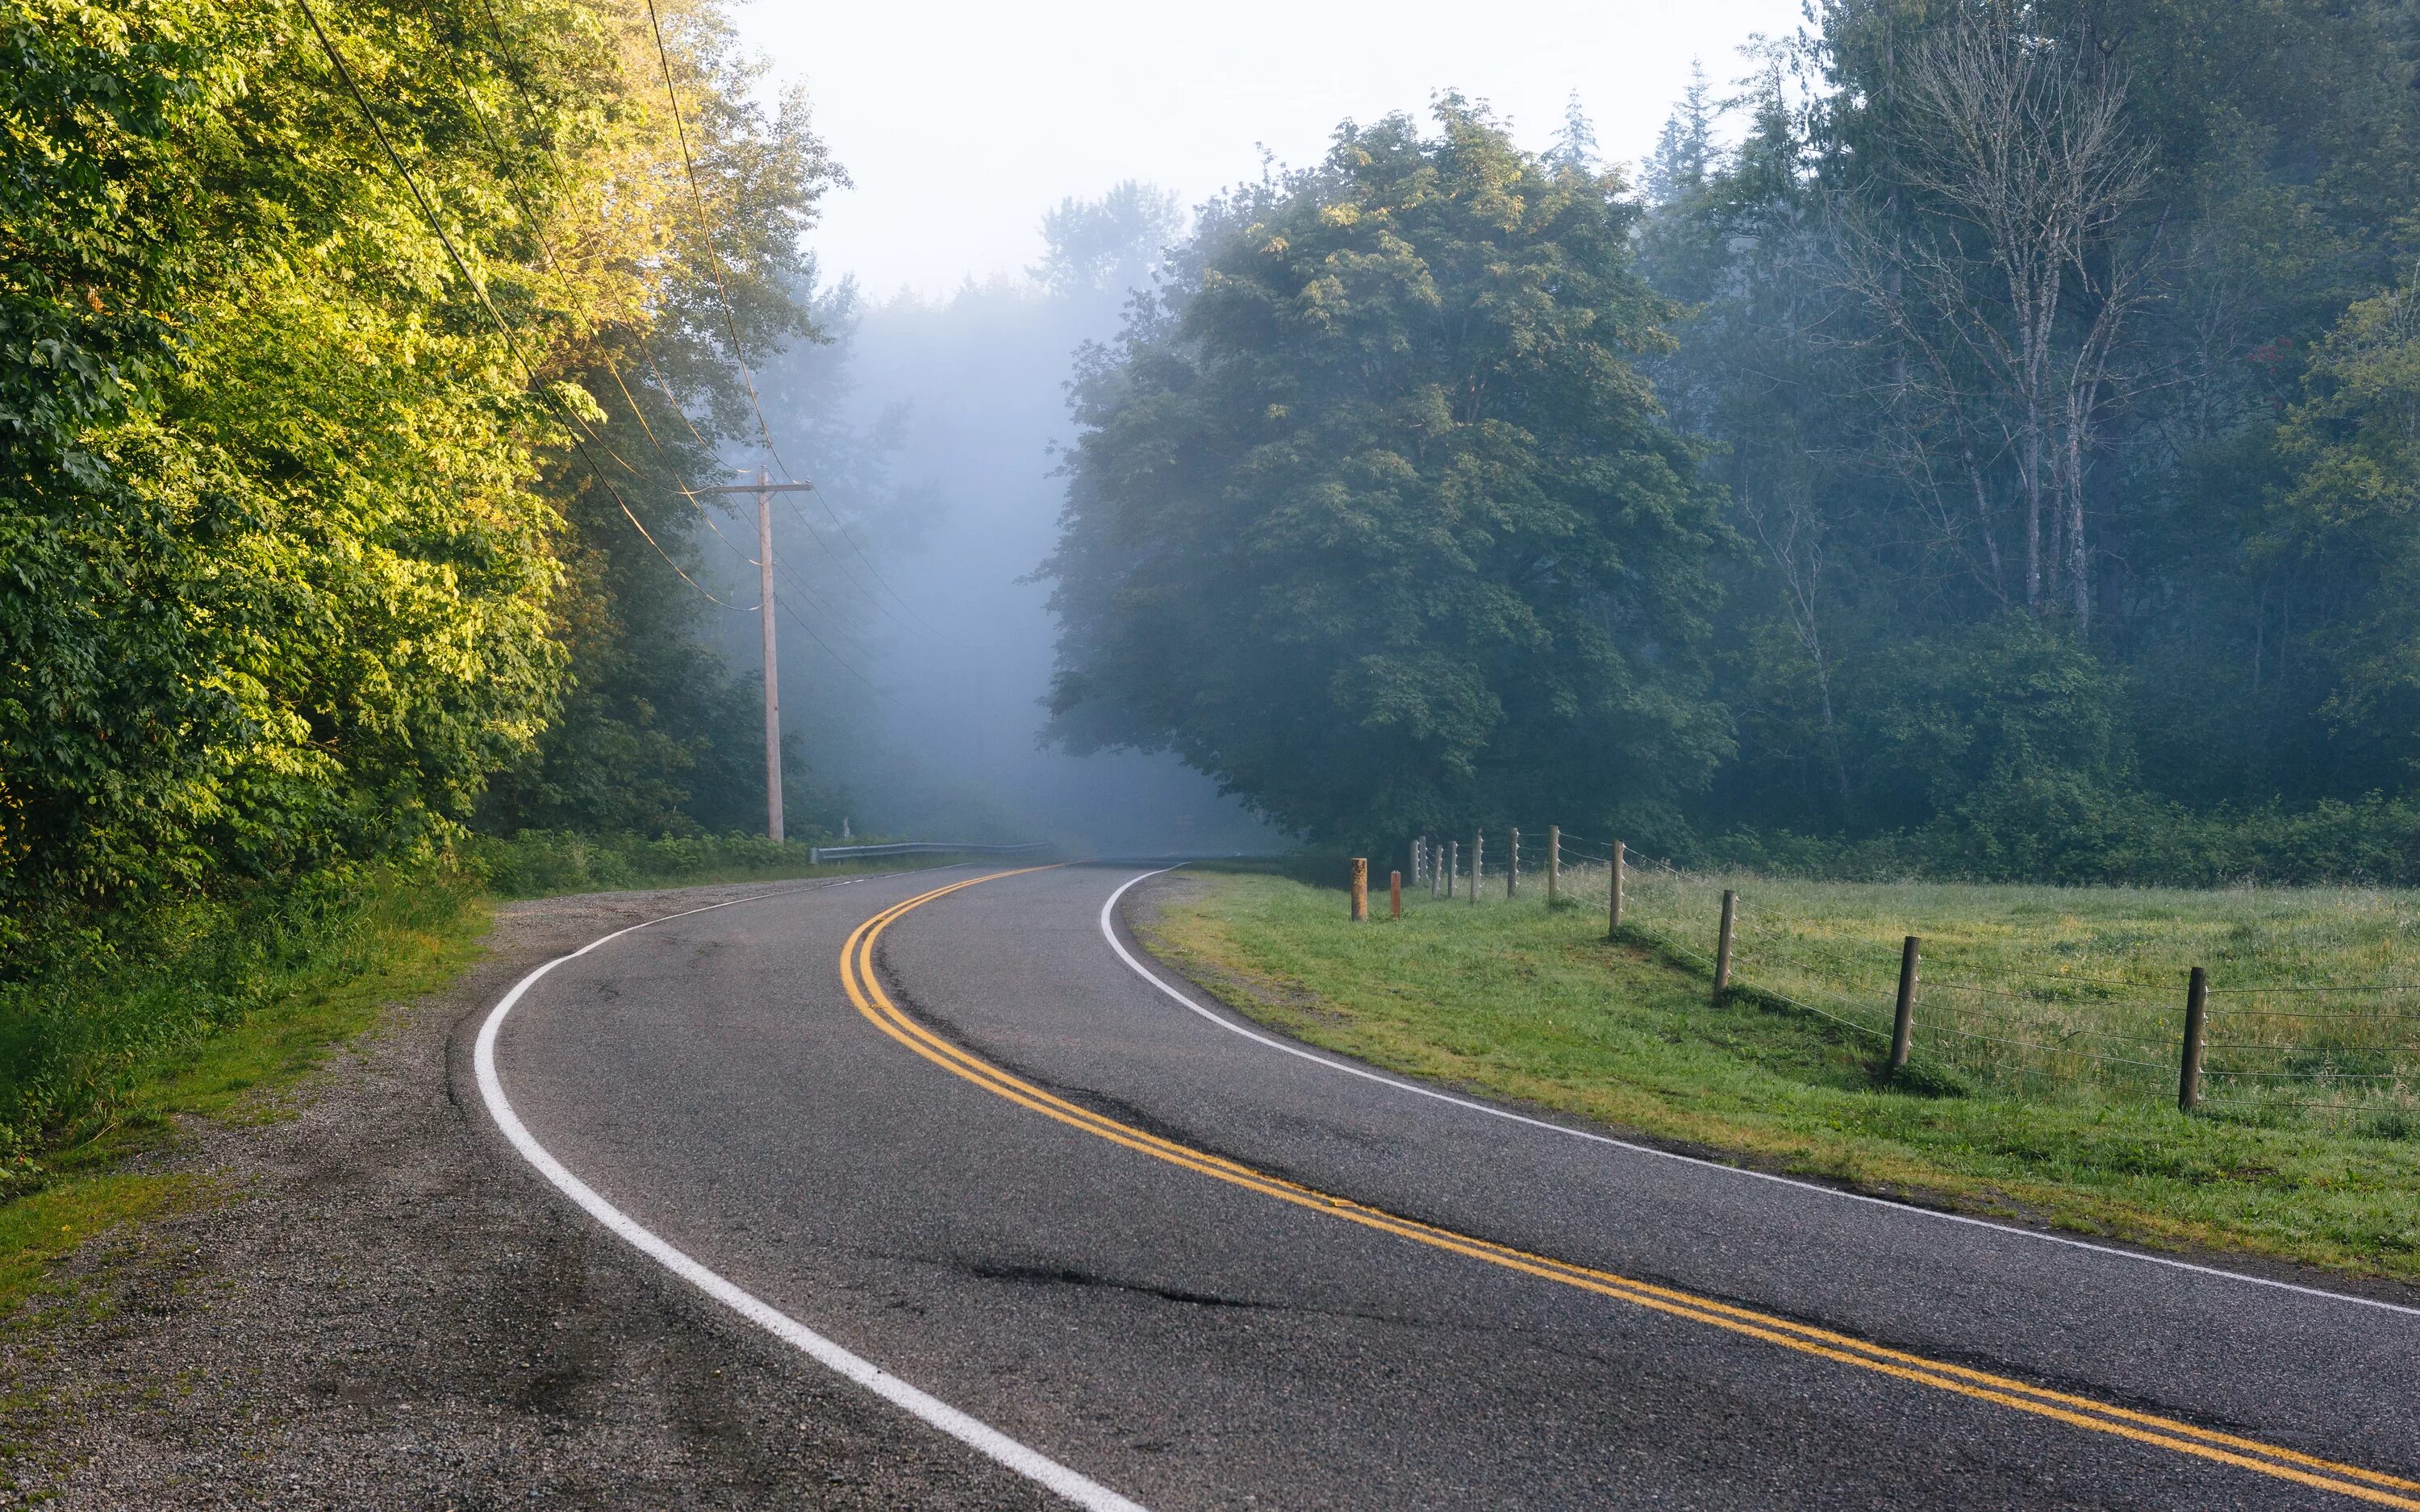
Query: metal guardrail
817, 855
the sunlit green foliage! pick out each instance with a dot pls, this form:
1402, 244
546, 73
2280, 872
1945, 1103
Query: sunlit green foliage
297, 548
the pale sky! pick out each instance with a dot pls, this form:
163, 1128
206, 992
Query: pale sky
962, 123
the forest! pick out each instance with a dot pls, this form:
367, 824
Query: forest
1979, 442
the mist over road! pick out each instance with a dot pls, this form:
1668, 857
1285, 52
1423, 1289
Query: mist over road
960, 1138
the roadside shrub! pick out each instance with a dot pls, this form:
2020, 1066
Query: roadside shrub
547, 862
78, 1027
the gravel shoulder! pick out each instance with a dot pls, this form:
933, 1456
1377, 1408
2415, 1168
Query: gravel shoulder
378, 1306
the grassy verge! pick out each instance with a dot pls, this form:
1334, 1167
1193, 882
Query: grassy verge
1524, 1002
231, 1007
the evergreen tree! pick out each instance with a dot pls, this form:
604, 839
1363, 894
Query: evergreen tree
1684, 148
1574, 147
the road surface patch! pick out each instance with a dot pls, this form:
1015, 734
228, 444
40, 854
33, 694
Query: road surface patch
980, 1436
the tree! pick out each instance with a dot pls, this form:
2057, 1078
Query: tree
298, 453
2193, 195
2015, 145
1373, 518
1107, 245
1684, 148
1574, 148
2355, 506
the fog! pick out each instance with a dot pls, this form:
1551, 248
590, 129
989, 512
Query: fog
929, 416
916, 642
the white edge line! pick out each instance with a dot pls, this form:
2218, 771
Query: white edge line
1109, 931
980, 1436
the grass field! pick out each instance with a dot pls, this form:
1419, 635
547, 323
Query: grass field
2067, 992
1521, 1001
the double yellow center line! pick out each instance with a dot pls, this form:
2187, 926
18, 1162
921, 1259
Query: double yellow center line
864, 988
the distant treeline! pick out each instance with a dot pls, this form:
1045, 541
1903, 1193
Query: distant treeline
349, 357
1982, 443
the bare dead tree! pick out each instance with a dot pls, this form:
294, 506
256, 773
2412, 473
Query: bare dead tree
2016, 146
1790, 529
1932, 416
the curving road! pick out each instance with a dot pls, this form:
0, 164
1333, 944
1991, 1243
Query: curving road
942, 1133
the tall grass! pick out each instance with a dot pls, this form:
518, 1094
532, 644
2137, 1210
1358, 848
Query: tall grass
82, 1029
2064, 992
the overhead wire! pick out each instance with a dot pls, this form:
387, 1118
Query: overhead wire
506, 57
546, 249
428, 212
731, 326
783, 605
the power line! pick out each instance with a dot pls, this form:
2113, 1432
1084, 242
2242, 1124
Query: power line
730, 322
428, 212
506, 57
783, 605
546, 249
862, 591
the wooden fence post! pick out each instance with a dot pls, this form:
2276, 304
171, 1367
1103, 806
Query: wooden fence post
1554, 863
1394, 895
1360, 888
1478, 851
1437, 864
2196, 1015
1903, 1017
1512, 867
1723, 946
1613, 920
1452, 864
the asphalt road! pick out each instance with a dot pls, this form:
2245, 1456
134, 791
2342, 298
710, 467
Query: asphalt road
1200, 1272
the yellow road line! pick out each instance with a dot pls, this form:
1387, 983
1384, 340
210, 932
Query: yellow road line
864, 988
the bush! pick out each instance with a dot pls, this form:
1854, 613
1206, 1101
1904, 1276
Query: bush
547, 862
78, 1027
2053, 828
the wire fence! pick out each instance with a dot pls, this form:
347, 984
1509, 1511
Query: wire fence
2267, 1050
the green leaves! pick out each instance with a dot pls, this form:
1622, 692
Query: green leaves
1373, 519
284, 517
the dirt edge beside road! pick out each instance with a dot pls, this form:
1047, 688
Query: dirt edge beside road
387, 1309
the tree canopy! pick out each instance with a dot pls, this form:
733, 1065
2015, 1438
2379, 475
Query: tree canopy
2040, 381
2041, 334
326, 482
1372, 516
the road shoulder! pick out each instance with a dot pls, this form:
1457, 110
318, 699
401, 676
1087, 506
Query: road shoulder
371, 1304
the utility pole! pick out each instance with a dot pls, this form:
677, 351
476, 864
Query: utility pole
763, 488
773, 669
